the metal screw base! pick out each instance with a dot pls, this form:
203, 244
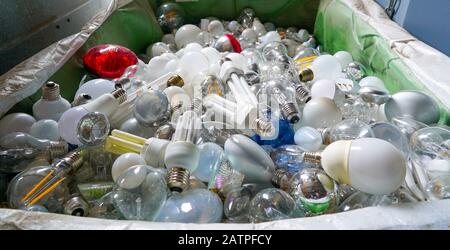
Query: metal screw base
178, 179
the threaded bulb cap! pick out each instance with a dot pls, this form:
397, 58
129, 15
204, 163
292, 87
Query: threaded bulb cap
58, 148
277, 175
175, 80
312, 157
50, 91
120, 95
306, 75
178, 179
303, 93
264, 128
290, 112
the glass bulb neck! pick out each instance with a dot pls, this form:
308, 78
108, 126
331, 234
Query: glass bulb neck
312, 157
50, 91
178, 179
71, 162
81, 99
326, 135
306, 75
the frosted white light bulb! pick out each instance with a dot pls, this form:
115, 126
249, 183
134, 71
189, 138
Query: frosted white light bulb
258, 27
45, 129
106, 104
96, 88
308, 139
324, 67
177, 96
51, 105
124, 162
16, 122
271, 36
192, 63
370, 165
321, 113
182, 154
247, 157
216, 28
193, 47
157, 49
155, 68
212, 54
344, 58
211, 156
323, 88
186, 34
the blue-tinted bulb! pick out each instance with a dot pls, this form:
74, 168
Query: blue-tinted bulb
290, 158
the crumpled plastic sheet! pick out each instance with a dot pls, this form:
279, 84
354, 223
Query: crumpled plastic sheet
424, 215
27, 77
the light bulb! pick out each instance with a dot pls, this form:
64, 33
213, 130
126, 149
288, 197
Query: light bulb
192, 206
109, 61
308, 139
249, 36
247, 17
235, 27
16, 122
216, 28
210, 157
17, 160
271, 204
413, 104
285, 97
186, 34
96, 88
152, 149
302, 35
191, 69
305, 57
140, 193
291, 32
237, 203
321, 112
159, 104
359, 200
124, 162
19, 140
373, 82
407, 125
344, 58
284, 130
390, 133
157, 49
249, 158
259, 28
327, 88
182, 155
289, 158
83, 98
74, 120
370, 165
228, 43
44, 185
430, 152
134, 127
45, 129
165, 131
355, 71
350, 129
36, 208
439, 188
170, 16
323, 67
95, 190
51, 105
314, 191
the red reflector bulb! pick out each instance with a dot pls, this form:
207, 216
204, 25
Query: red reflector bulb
109, 61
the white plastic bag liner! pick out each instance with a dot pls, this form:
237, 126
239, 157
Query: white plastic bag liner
424, 215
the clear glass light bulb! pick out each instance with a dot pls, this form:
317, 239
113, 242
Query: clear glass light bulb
125, 162
134, 127
16, 122
192, 206
285, 97
323, 67
51, 105
430, 152
308, 139
140, 193
289, 158
96, 88
392, 134
216, 28
350, 129
211, 156
157, 49
19, 140
81, 117
45, 129
182, 155
321, 112
237, 203
170, 16
305, 57
17, 160
44, 185
314, 191
439, 188
155, 115
247, 157
271, 204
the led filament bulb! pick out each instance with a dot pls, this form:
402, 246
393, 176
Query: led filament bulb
152, 150
78, 117
182, 155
